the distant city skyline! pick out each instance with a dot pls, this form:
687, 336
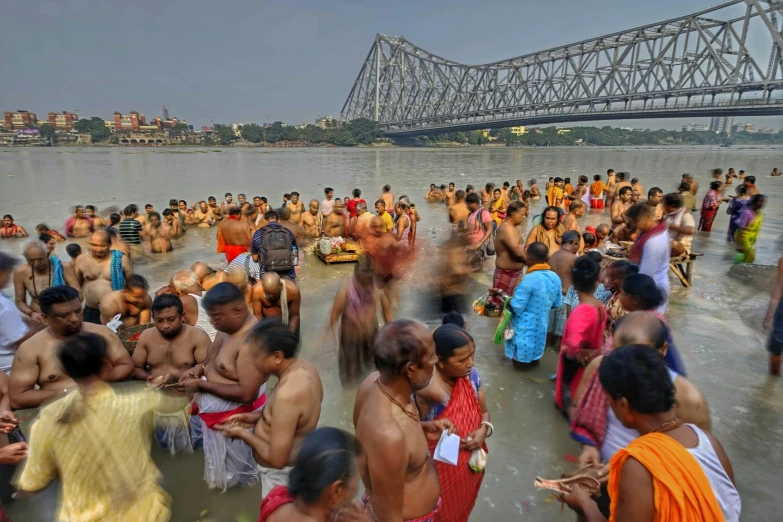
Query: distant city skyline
250, 61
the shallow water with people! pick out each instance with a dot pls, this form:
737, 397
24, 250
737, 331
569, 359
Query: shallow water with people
716, 323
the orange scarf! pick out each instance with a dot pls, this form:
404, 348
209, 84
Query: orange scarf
537, 267
596, 188
682, 491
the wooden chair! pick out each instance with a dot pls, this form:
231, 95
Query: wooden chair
684, 269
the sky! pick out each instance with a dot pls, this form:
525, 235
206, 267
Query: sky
243, 61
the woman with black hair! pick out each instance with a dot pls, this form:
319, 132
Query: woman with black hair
583, 335
455, 393
322, 483
640, 293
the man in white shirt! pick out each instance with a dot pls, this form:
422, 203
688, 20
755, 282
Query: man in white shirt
13, 330
328, 203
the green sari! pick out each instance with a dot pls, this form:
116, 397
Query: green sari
745, 240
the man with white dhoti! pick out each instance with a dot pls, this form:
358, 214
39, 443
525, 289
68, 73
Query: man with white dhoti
226, 384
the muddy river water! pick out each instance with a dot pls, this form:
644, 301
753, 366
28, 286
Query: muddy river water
716, 323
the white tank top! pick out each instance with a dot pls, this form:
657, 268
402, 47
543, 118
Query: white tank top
725, 492
586, 196
203, 319
618, 436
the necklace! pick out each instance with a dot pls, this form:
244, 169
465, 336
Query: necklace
668, 426
414, 416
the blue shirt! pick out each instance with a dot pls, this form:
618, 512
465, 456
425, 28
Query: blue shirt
257, 248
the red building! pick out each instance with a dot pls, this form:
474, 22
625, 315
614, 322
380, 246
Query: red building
20, 120
128, 122
63, 121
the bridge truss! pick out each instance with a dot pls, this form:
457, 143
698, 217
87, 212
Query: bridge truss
725, 60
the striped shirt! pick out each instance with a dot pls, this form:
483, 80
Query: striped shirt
129, 231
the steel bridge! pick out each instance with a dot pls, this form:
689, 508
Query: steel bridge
722, 61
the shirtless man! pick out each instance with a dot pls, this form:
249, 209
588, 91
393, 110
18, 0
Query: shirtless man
296, 208
79, 225
611, 180
388, 198
94, 272
176, 230
134, 214
486, 194
619, 184
214, 208
450, 195
602, 233
312, 222
157, 234
36, 374
232, 234
184, 284
267, 298
228, 203
458, 211
576, 210
335, 223
432, 194
284, 219
97, 220
232, 384
133, 303
655, 200
534, 191
562, 263
580, 190
510, 260
293, 408
637, 186
203, 217
173, 347
38, 274
505, 192
400, 479
207, 276
621, 203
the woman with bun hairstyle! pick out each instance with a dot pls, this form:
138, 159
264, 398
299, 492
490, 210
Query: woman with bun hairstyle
322, 484
640, 293
583, 335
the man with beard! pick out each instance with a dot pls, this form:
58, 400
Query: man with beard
276, 297
162, 355
132, 303
400, 479
36, 374
100, 272
225, 384
41, 272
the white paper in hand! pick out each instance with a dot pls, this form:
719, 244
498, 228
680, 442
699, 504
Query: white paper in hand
447, 449
115, 323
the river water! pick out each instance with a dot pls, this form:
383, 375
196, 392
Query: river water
715, 323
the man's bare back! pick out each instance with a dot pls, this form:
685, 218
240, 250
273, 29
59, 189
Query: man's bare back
295, 400
388, 200
234, 232
458, 213
562, 263
384, 429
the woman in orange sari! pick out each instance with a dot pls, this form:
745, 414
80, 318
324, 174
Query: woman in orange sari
455, 393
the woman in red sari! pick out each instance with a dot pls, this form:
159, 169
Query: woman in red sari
583, 335
455, 393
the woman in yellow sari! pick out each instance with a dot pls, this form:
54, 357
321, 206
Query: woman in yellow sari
497, 207
748, 228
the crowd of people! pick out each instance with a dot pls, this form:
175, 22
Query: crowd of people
209, 340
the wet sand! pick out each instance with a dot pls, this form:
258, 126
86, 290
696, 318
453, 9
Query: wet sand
715, 324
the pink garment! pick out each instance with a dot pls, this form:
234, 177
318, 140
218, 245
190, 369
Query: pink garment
359, 299
475, 225
584, 332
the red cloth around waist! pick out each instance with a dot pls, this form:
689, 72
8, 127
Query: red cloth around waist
232, 251
214, 418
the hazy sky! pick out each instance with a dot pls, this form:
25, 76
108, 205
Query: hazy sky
255, 61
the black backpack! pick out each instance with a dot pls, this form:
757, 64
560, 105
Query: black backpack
277, 255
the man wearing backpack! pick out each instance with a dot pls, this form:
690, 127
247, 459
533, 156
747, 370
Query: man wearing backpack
274, 248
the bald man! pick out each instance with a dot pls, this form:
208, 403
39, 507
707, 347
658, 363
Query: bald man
276, 297
312, 225
185, 285
207, 276
100, 271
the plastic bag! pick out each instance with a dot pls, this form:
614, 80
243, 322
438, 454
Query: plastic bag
478, 460
480, 303
503, 325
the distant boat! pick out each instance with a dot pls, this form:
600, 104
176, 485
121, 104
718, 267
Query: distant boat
726, 145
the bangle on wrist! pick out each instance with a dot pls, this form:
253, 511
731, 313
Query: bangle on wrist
490, 428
